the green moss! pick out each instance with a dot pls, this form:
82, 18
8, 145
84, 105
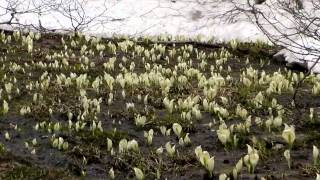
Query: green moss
2, 149
25, 173
100, 138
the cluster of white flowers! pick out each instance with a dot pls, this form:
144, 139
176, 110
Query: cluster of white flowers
164, 90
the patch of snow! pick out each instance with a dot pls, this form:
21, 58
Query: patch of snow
148, 17
294, 54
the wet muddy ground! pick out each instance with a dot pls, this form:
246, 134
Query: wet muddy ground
87, 155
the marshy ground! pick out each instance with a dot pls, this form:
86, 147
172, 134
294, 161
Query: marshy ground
65, 99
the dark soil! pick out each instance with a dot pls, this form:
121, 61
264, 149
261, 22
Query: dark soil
17, 161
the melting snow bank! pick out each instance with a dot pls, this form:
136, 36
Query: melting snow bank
155, 17
304, 52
